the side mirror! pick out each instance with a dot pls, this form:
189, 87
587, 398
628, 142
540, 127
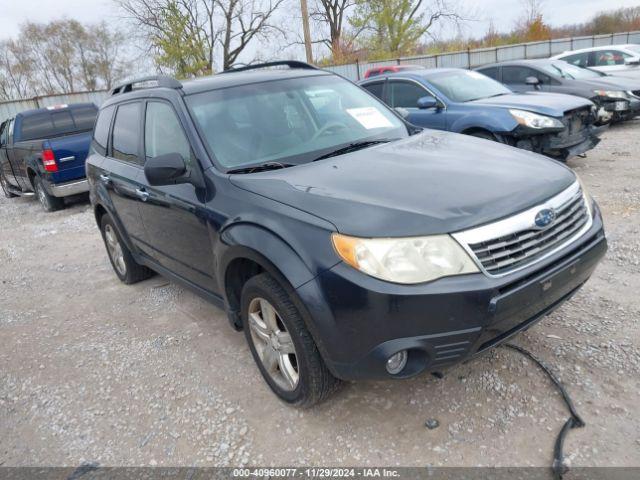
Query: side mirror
427, 102
632, 61
166, 169
535, 81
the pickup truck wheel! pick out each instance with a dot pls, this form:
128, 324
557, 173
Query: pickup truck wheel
5, 187
281, 345
126, 268
48, 202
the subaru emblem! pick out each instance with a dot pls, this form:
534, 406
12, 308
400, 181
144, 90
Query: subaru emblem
545, 217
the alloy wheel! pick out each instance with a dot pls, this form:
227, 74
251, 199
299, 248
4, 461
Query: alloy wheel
115, 250
273, 344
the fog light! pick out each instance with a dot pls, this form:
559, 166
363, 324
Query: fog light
397, 362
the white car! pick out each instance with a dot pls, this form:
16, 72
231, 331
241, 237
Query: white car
619, 60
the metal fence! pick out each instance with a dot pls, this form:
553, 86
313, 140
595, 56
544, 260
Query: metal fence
483, 56
11, 108
355, 71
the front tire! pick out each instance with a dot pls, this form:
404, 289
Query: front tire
281, 345
123, 263
48, 202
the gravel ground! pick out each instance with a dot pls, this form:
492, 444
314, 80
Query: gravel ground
92, 370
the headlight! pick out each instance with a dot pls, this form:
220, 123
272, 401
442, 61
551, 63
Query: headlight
611, 93
533, 120
405, 260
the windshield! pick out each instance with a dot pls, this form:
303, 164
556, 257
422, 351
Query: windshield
566, 70
464, 86
289, 121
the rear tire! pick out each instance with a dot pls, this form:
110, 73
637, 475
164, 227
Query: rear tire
5, 187
126, 268
48, 202
281, 345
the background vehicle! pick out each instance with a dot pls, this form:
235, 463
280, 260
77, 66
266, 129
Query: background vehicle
44, 151
327, 226
617, 98
467, 102
374, 72
619, 60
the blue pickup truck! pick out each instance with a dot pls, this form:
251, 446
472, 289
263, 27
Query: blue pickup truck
43, 151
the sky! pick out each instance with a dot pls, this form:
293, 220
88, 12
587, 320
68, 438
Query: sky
503, 13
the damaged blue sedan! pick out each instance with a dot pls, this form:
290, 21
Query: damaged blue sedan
456, 100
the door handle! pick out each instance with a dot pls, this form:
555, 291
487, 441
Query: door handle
67, 159
142, 194
105, 178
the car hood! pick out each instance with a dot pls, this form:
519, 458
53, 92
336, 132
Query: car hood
553, 104
433, 182
617, 83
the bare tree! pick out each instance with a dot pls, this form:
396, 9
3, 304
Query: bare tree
331, 14
60, 57
188, 36
531, 12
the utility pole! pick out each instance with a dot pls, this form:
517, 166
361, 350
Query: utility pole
305, 29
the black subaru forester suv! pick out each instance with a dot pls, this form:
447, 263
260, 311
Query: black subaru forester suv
345, 243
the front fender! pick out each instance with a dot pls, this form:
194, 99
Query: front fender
493, 120
265, 248
281, 261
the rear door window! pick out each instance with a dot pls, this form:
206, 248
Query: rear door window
577, 59
491, 72
125, 139
375, 89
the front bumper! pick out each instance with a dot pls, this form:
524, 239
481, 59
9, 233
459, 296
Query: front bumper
359, 321
67, 189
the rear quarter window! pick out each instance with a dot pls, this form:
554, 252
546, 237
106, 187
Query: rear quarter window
101, 132
491, 72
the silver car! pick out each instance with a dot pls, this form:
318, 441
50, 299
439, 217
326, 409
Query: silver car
619, 60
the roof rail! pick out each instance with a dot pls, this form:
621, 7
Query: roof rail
288, 63
161, 80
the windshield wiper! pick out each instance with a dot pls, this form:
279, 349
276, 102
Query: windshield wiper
262, 167
352, 147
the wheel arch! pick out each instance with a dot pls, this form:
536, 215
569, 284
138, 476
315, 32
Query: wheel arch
246, 250
475, 130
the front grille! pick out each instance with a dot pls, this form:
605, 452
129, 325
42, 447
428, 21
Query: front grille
502, 254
